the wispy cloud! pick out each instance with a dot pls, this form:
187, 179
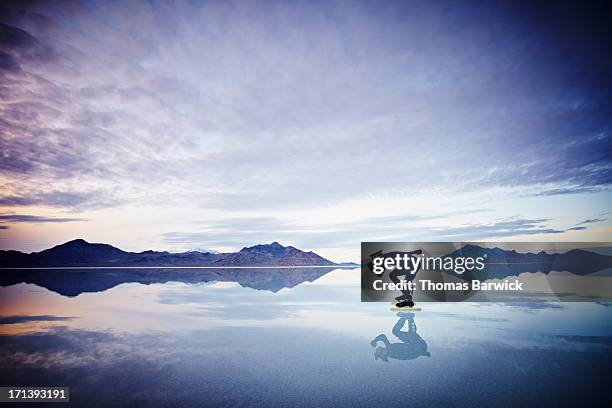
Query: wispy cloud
35, 218
27, 319
503, 228
593, 221
236, 232
570, 190
61, 199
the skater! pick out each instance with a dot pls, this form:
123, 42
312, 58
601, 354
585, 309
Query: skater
411, 346
405, 299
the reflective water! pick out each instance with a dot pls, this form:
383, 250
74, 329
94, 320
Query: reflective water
292, 342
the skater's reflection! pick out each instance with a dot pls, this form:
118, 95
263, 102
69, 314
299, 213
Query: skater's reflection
411, 346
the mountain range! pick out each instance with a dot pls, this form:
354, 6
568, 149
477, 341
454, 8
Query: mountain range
502, 263
80, 253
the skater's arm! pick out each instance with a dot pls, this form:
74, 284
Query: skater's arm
380, 337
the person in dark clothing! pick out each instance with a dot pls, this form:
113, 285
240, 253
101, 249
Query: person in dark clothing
410, 347
405, 299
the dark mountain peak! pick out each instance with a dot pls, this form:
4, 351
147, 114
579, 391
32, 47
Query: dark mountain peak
72, 253
81, 244
579, 252
476, 250
272, 254
152, 252
274, 247
73, 243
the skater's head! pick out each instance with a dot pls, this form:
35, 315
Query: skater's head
381, 354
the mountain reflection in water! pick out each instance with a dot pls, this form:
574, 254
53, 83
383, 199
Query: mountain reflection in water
72, 282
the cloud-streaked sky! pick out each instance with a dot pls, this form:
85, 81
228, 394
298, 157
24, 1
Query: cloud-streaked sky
181, 125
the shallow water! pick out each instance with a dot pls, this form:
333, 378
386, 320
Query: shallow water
217, 343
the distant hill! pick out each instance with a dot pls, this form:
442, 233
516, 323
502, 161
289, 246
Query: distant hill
502, 263
81, 253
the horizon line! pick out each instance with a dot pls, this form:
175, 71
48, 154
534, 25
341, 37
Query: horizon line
184, 267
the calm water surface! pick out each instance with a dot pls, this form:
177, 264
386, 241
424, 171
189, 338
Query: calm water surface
218, 343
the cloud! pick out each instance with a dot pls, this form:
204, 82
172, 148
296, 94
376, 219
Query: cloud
35, 218
176, 115
18, 44
237, 232
567, 190
503, 228
256, 229
592, 221
26, 319
61, 199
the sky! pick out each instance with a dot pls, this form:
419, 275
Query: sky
218, 125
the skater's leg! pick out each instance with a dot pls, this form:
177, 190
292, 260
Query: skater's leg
395, 275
